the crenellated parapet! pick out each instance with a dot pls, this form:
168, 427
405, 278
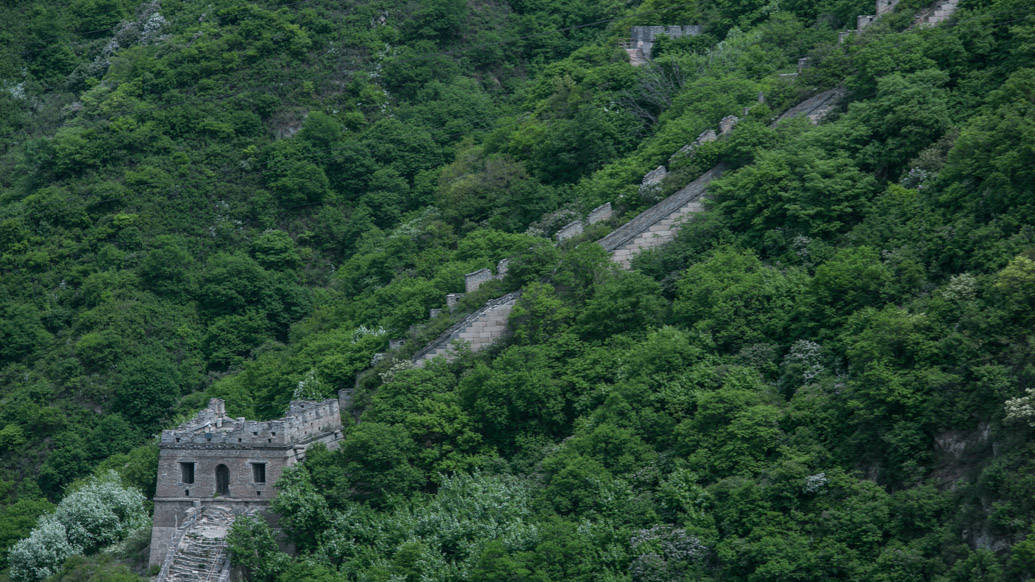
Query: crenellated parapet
211, 428
233, 462
644, 37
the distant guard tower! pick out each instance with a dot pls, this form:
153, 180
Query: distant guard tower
214, 466
641, 47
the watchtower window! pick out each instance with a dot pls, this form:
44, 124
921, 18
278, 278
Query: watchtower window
259, 472
222, 480
186, 473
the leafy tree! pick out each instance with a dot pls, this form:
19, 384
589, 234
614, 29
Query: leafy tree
495, 565
21, 331
42, 553
148, 389
853, 278
629, 303
18, 519
737, 299
378, 461
438, 19
96, 514
253, 547
538, 314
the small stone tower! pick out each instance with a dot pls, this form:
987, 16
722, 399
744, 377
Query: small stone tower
234, 463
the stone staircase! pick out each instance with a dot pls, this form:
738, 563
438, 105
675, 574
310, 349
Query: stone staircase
636, 56
657, 225
200, 554
479, 330
941, 12
650, 229
817, 107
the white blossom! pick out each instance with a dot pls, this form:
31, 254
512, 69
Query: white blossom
1022, 409
99, 513
42, 553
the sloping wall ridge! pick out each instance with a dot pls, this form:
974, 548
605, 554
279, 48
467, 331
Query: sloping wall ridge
496, 309
651, 228
643, 221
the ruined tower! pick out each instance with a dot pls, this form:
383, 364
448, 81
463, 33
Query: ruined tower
233, 463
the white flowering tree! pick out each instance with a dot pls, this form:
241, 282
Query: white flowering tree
101, 512
1022, 408
96, 514
42, 553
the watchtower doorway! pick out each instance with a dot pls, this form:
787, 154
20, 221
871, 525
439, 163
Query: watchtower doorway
222, 480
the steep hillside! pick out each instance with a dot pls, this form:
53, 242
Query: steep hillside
823, 376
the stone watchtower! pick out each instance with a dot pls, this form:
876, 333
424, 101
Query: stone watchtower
234, 463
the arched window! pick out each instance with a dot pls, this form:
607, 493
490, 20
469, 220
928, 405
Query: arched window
222, 480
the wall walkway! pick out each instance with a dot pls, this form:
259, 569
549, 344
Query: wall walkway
480, 329
200, 553
650, 229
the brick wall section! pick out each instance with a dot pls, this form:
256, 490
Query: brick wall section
658, 224
600, 214
570, 230
212, 440
941, 12
650, 229
815, 107
472, 281
643, 37
482, 328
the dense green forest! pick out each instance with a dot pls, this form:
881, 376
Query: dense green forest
829, 374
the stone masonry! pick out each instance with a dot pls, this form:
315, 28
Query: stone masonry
478, 330
641, 46
652, 228
472, 281
199, 552
657, 225
234, 463
600, 213
941, 12
570, 230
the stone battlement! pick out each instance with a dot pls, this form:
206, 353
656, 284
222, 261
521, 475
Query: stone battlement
651, 33
232, 462
643, 38
211, 428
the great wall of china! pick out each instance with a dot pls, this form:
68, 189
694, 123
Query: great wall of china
650, 229
214, 468
659, 224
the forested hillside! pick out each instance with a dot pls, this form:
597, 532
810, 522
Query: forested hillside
826, 375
